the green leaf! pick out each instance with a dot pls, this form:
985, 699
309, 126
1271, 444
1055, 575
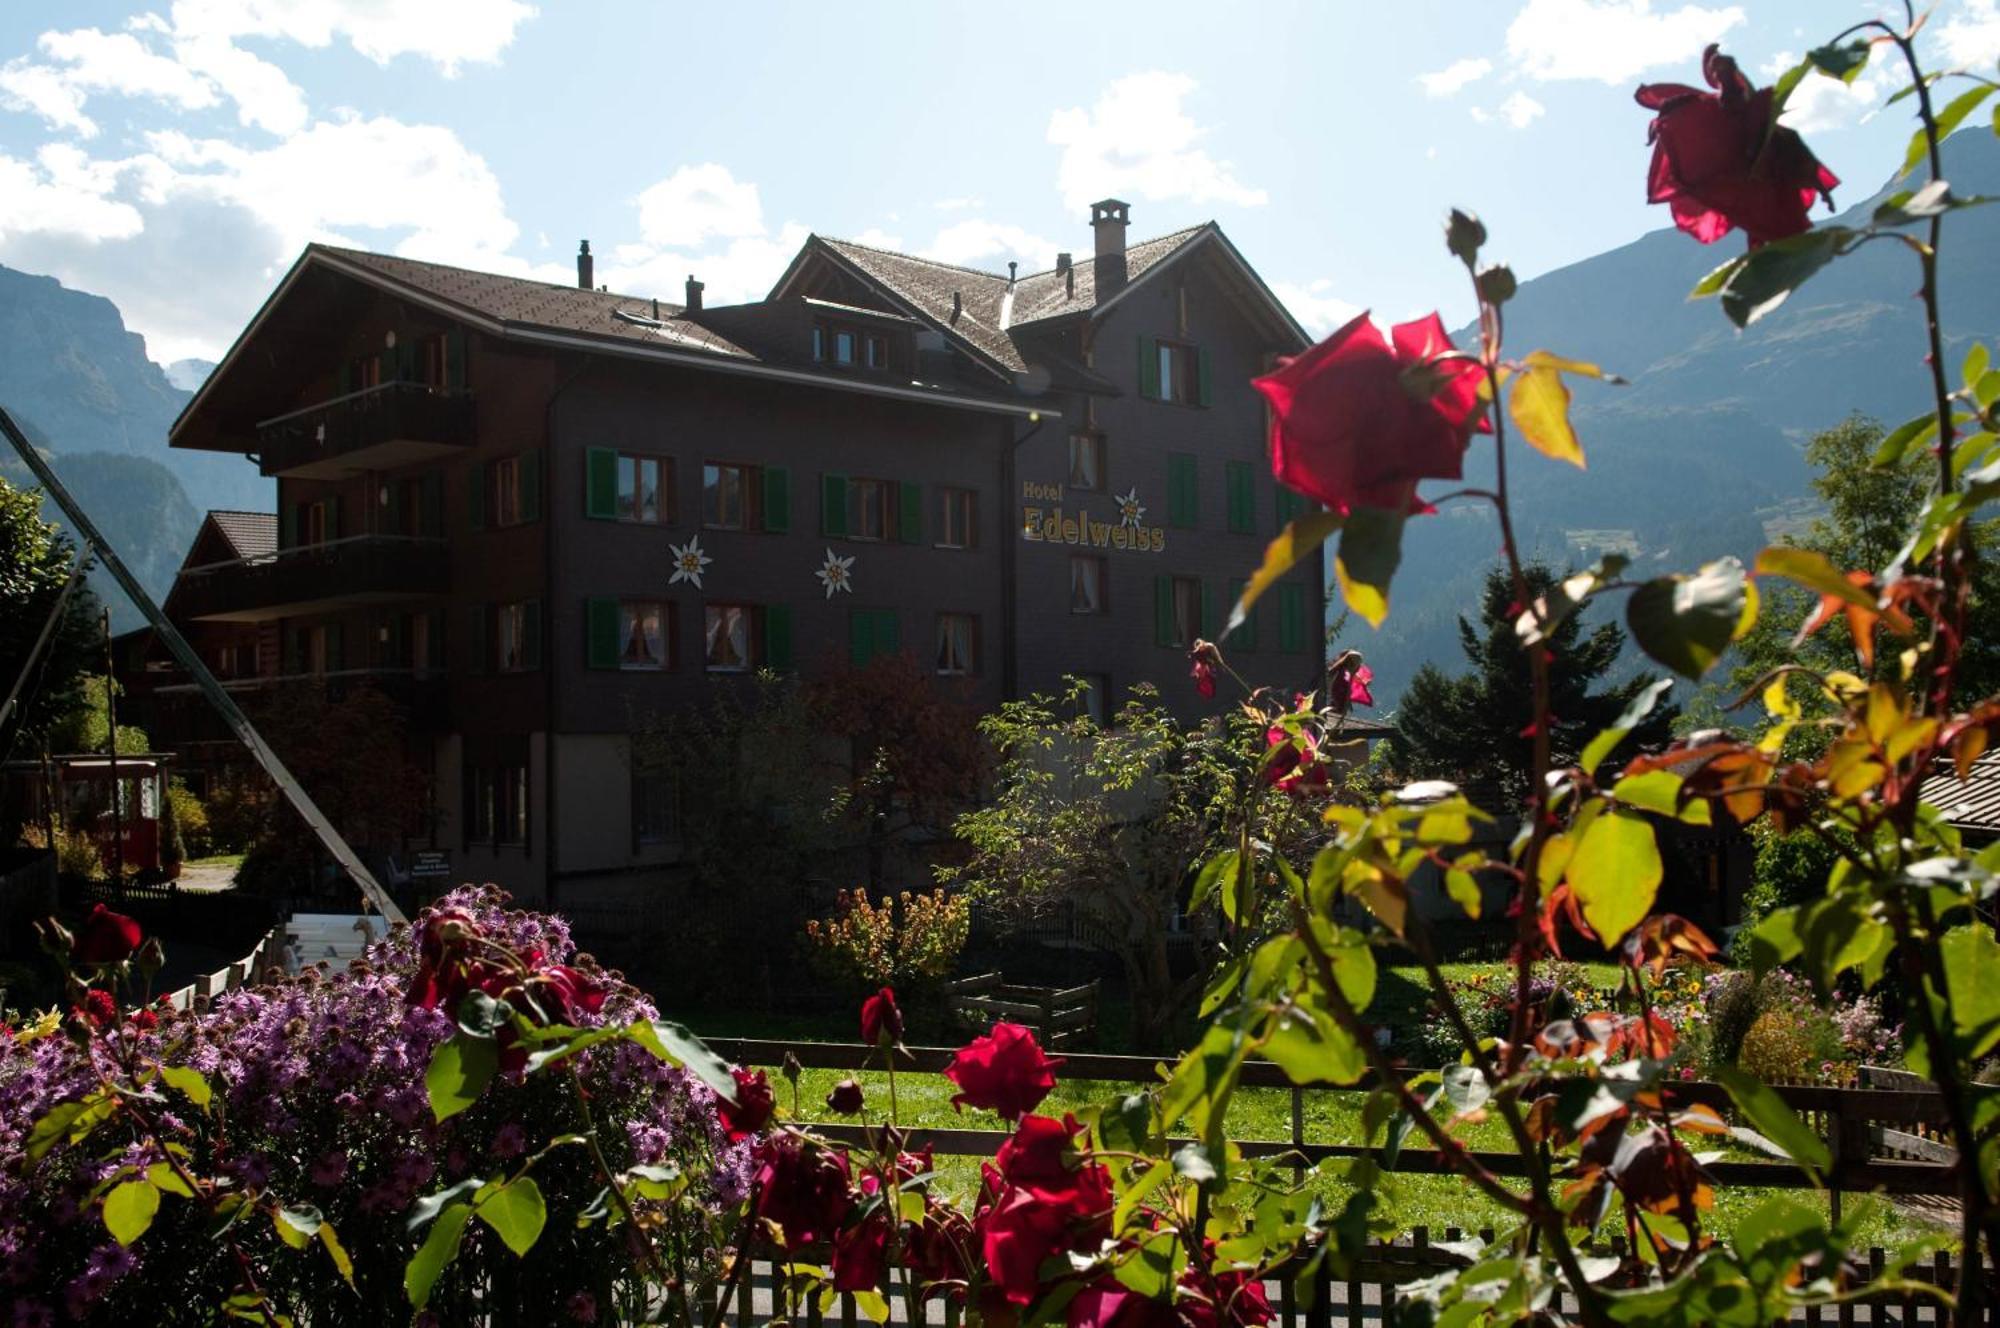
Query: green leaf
1814, 571
1769, 274
1206, 880
1294, 542
54, 1124
1775, 940
189, 1083
515, 1211
427, 1208
1908, 437
1781, 91
439, 1248
1972, 976
1774, 1120
129, 1210
1463, 887
168, 1181
1686, 622
296, 1226
1659, 791
1948, 119
673, 1043
1634, 714
1717, 278
1311, 1048
1153, 1268
1615, 873
1466, 1088
1933, 199
459, 1072
1126, 1125
1844, 61
336, 1252
1371, 546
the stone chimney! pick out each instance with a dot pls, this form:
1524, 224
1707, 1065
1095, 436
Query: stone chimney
694, 289
1109, 219
584, 270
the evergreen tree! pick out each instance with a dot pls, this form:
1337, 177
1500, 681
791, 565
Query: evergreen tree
1467, 728
35, 563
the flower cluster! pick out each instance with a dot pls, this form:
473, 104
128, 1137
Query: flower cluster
910, 939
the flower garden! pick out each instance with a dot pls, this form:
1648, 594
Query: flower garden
474, 1124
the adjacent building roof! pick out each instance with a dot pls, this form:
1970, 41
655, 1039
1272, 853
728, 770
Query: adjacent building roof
1972, 805
249, 534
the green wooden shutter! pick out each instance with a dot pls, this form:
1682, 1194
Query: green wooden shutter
1149, 368
1210, 619
475, 495
778, 636
910, 519
1291, 618
454, 360
860, 637
531, 484
833, 505
1163, 612
600, 483
1242, 482
888, 632
1202, 383
601, 643
777, 499
531, 634
475, 639
1183, 501
1244, 637
1287, 505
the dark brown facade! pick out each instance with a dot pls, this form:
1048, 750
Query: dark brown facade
544, 511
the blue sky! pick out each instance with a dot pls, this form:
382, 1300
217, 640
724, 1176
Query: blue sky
176, 156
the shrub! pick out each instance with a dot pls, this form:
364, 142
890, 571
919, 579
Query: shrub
191, 818
78, 857
867, 945
1778, 1048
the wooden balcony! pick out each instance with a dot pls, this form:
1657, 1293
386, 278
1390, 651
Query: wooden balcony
377, 428
314, 578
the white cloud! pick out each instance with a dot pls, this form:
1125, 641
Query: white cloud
448, 33
1520, 110
1315, 305
744, 269
42, 90
1819, 103
1446, 82
87, 61
1138, 142
61, 193
968, 242
696, 203
264, 96
1972, 35
1611, 41
877, 238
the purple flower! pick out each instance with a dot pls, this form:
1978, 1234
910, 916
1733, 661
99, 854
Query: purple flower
32, 1314
510, 1140
329, 1169
581, 1307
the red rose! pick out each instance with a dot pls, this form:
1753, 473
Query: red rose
1037, 1155
1356, 421
1026, 1229
861, 1255
1204, 656
845, 1099
1296, 767
1721, 160
803, 1189
938, 1245
881, 1021
574, 992
1108, 1303
1005, 1072
751, 1111
106, 938
99, 1007
1228, 1300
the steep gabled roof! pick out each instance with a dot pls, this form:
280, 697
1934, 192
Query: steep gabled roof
927, 287
1041, 295
248, 534
1971, 805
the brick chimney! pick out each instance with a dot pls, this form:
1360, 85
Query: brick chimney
1109, 219
694, 289
584, 270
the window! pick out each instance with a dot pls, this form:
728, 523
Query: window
641, 492
1173, 371
876, 351
868, 512
364, 371
1177, 611
1086, 461
1086, 585
843, 347
313, 523
1245, 636
1095, 696
499, 811
642, 633
726, 631
655, 818
504, 485
958, 526
433, 361
514, 649
1241, 482
317, 655
819, 343
728, 496
1183, 491
957, 643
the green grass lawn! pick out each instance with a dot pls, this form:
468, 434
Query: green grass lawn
1331, 1117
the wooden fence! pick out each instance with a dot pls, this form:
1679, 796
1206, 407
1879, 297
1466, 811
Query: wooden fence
1059, 1016
247, 971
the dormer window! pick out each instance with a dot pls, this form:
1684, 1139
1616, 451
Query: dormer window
845, 346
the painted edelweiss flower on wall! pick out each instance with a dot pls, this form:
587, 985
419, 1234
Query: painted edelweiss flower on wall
836, 573
689, 562
1130, 510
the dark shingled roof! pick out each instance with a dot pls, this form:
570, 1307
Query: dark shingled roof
250, 534
988, 310
1973, 804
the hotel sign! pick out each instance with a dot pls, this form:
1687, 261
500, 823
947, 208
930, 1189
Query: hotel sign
1052, 525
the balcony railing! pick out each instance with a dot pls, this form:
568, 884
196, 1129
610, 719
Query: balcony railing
377, 428
314, 578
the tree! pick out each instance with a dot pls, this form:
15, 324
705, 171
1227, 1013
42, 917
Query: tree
910, 753
36, 559
1468, 728
1869, 510
1107, 821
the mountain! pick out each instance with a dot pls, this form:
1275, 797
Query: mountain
1702, 453
84, 391
188, 375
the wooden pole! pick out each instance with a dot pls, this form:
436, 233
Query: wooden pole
111, 750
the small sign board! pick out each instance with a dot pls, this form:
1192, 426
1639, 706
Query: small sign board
430, 864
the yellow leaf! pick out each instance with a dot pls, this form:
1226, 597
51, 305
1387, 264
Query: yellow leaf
1749, 617
1541, 359
1539, 405
1778, 701
1294, 542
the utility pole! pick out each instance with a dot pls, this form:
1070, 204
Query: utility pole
111, 750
